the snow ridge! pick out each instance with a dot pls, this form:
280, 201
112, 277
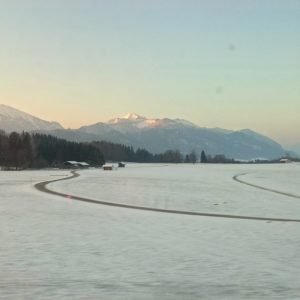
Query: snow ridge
12, 119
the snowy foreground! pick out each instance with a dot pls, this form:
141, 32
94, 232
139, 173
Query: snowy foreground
59, 248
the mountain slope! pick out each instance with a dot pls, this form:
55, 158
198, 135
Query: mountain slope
295, 148
12, 119
159, 135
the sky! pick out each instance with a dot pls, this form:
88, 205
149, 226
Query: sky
220, 63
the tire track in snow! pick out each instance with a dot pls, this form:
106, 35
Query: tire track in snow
236, 178
42, 186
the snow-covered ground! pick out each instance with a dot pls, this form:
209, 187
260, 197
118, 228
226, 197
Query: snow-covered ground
204, 188
56, 248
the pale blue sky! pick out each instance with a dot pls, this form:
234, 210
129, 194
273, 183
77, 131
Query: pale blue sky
218, 63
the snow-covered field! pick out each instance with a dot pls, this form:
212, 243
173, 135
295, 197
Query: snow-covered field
58, 248
208, 188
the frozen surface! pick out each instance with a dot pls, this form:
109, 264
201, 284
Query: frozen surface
55, 248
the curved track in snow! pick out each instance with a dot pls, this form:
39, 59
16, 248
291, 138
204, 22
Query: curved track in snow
236, 178
42, 186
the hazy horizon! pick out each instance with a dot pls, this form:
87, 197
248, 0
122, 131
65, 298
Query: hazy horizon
292, 147
233, 65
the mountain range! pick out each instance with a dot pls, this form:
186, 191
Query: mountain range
155, 135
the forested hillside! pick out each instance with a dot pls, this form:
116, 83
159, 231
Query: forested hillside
20, 151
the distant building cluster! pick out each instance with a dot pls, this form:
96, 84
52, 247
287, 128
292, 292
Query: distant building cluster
72, 164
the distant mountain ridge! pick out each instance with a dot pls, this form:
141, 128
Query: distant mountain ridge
12, 119
295, 148
156, 135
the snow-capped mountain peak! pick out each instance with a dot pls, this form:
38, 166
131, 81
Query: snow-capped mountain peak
133, 116
133, 120
7, 111
12, 119
130, 117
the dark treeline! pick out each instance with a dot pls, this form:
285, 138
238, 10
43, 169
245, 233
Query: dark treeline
115, 152
219, 159
57, 151
21, 151
118, 152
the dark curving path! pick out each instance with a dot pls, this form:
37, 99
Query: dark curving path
236, 178
42, 186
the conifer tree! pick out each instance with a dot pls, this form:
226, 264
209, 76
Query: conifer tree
203, 157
